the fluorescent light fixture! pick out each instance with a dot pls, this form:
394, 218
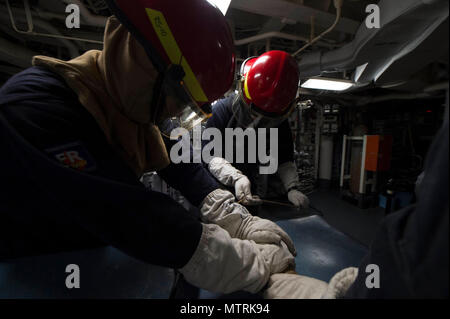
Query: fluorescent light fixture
327, 84
221, 4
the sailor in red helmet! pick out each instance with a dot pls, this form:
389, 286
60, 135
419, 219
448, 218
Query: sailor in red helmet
77, 135
267, 94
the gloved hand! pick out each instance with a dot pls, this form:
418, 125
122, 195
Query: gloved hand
289, 286
224, 264
298, 198
242, 188
225, 173
220, 208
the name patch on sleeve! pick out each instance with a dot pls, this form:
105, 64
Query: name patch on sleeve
73, 155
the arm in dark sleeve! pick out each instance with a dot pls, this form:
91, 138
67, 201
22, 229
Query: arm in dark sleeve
192, 180
285, 143
149, 226
221, 115
53, 205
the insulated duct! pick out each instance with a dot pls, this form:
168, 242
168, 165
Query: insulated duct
404, 26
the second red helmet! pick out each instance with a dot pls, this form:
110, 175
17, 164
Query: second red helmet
270, 82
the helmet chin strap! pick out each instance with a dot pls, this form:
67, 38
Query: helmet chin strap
241, 115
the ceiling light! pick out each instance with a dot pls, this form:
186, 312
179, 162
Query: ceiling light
327, 84
222, 5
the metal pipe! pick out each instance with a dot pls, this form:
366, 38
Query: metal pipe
46, 26
362, 174
268, 35
338, 5
294, 12
73, 49
344, 149
317, 140
49, 15
275, 34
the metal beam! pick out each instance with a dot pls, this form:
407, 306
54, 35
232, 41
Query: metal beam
296, 12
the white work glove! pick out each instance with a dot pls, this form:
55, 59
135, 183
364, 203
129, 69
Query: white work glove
228, 175
224, 264
242, 188
298, 199
220, 208
289, 176
290, 286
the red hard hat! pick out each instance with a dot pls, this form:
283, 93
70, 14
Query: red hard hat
270, 81
192, 34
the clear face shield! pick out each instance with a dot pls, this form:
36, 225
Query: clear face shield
179, 109
190, 116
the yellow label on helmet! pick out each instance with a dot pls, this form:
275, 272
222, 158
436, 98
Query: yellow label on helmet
174, 53
247, 93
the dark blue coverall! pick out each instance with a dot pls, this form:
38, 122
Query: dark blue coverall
63, 187
223, 117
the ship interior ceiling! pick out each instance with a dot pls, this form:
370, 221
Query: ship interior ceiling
359, 152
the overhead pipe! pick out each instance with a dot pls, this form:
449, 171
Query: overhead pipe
338, 6
44, 25
73, 49
275, 34
293, 11
49, 15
